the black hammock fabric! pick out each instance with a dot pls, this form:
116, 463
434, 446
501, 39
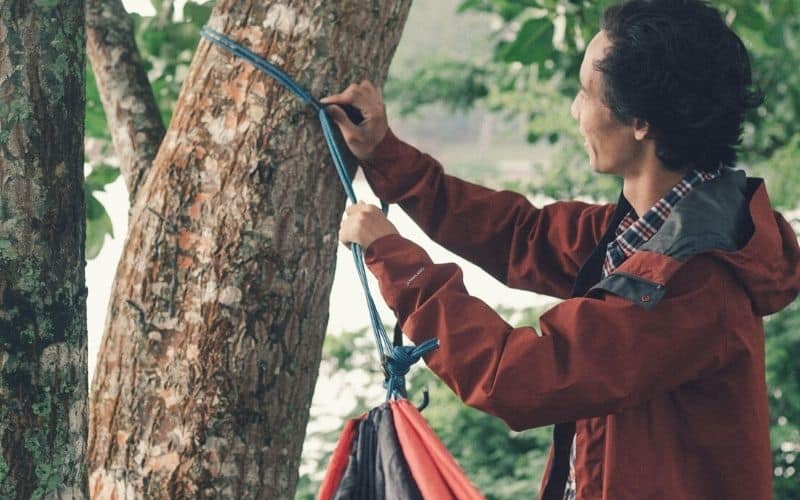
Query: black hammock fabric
376, 468
391, 453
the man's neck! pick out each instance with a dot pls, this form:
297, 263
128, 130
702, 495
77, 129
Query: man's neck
645, 187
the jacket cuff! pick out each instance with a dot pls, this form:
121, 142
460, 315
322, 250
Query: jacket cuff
387, 151
393, 168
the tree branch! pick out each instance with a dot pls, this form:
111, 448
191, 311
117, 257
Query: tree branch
131, 110
166, 9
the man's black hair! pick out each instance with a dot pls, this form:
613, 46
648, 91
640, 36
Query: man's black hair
678, 66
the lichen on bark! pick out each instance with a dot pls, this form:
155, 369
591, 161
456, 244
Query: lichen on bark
43, 386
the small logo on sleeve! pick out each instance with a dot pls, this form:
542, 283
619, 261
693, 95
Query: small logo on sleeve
416, 274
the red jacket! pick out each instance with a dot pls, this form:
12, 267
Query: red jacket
658, 369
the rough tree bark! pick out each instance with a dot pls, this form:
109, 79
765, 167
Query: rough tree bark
215, 326
131, 109
43, 382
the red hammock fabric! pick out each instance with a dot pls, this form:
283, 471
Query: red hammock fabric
338, 462
432, 468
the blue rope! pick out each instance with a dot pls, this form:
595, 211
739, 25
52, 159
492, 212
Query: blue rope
397, 359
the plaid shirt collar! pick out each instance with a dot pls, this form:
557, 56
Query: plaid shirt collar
633, 233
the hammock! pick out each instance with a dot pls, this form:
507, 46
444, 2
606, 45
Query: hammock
389, 452
392, 453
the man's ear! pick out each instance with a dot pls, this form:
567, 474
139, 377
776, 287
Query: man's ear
641, 129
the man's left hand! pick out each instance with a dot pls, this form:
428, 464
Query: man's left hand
364, 224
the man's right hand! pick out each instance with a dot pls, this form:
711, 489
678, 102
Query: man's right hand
364, 137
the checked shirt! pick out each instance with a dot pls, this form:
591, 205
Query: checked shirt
630, 235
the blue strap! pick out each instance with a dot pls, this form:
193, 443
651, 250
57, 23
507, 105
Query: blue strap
397, 360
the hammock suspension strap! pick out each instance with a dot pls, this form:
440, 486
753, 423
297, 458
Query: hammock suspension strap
396, 359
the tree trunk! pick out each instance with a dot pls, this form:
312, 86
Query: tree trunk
131, 110
215, 326
43, 382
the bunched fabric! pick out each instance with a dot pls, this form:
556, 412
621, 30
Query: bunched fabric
391, 453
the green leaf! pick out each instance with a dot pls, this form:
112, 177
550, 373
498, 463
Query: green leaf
95, 117
533, 44
94, 209
100, 176
98, 225
197, 13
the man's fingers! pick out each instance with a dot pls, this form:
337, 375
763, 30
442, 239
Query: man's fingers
344, 238
361, 206
376, 90
347, 96
366, 98
332, 99
358, 95
353, 208
340, 117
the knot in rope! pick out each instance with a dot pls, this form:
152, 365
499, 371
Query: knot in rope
399, 361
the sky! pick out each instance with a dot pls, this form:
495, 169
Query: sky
143, 7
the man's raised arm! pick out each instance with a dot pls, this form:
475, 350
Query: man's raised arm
537, 249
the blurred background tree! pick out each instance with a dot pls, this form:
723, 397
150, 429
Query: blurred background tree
485, 86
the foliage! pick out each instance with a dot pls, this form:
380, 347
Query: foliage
783, 380
534, 73
455, 83
503, 464
98, 223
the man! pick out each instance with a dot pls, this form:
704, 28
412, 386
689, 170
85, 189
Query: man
653, 365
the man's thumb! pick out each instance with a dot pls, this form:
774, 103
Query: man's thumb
340, 117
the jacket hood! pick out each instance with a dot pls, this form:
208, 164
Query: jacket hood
731, 218
768, 264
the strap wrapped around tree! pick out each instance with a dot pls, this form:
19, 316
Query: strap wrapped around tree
390, 452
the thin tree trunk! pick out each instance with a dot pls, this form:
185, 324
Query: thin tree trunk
130, 107
215, 325
166, 11
43, 381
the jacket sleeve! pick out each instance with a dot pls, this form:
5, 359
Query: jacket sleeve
502, 232
595, 356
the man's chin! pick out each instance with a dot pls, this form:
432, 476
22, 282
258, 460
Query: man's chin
601, 169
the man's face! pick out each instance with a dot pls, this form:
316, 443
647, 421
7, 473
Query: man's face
611, 144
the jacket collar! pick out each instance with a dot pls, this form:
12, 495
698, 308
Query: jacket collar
714, 216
